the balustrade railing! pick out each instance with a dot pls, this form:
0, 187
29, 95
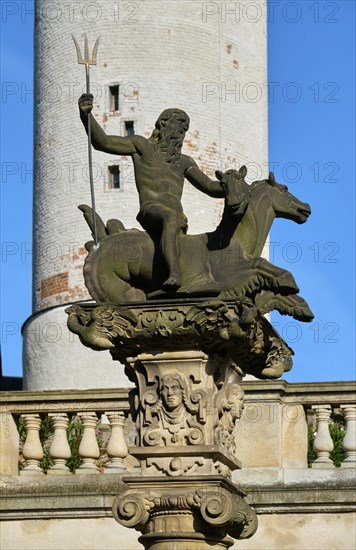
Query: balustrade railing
78, 432
339, 422
89, 432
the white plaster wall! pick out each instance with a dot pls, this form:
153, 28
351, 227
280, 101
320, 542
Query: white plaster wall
275, 532
67, 534
330, 531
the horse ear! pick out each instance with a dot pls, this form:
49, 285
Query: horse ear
243, 171
219, 174
271, 178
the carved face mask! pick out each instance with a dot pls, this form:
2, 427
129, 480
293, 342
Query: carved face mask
171, 393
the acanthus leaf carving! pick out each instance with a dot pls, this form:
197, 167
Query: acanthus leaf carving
234, 328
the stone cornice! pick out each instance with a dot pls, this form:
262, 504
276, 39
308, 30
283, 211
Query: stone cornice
66, 400
306, 393
78, 496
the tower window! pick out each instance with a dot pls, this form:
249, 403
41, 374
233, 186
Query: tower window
114, 177
114, 97
129, 128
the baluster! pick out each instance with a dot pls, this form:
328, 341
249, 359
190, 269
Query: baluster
349, 442
323, 444
117, 448
88, 448
59, 449
32, 449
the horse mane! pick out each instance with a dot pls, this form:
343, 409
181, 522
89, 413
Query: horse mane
228, 226
227, 213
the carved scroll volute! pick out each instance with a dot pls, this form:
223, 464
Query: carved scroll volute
132, 509
231, 511
199, 400
149, 399
218, 508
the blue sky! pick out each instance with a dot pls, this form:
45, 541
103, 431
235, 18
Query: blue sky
311, 60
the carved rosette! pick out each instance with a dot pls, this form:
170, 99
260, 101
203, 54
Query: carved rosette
205, 514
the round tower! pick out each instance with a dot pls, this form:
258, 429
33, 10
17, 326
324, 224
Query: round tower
208, 58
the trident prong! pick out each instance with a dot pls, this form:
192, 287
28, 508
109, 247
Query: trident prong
87, 62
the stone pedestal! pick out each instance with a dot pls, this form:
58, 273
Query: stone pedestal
186, 359
185, 405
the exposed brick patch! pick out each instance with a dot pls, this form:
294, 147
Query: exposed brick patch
54, 285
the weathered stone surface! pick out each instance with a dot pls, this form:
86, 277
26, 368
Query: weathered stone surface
231, 329
272, 432
315, 507
186, 407
303, 532
196, 512
330, 531
9, 444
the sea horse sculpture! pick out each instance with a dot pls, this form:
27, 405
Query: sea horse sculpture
226, 263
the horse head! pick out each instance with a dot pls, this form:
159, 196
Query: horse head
251, 209
236, 190
284, 204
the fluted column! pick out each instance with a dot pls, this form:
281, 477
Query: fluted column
349, 442
59, 449
323, 444
117, 448
88, 449
32, 449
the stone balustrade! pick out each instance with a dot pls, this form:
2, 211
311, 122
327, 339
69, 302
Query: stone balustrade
93, 415
280, 417
273, 430
323, 444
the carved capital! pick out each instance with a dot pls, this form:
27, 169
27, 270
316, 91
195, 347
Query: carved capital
160, 509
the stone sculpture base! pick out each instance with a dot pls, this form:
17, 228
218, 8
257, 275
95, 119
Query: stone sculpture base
186, 405
187, 359
234, 329
191, 512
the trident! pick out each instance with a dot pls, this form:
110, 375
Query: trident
87, 62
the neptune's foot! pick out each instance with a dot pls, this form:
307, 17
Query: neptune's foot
173, 282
